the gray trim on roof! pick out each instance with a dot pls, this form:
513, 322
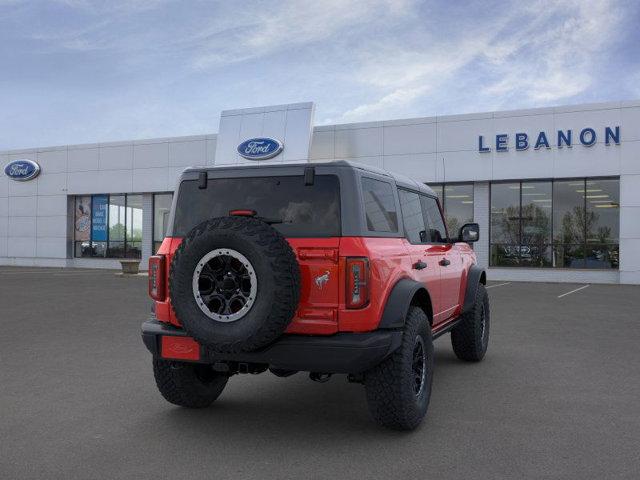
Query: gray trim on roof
400, 180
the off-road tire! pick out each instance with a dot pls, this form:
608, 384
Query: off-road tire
278, 282
389, 386
469, 339
188, 385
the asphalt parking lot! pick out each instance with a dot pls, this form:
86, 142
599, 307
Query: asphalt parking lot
558, 395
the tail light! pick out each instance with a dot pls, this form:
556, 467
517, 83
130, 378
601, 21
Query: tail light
156, 277
357, 282
242, 213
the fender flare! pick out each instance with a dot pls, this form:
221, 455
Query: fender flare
398, 302
476, 276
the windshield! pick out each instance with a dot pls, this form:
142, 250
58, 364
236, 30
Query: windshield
297, 210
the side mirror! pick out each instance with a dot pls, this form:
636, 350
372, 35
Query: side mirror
469, 233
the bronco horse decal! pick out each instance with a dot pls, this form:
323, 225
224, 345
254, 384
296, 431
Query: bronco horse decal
321, 280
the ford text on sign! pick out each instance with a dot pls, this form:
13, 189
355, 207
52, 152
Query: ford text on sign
22, 170
260, 148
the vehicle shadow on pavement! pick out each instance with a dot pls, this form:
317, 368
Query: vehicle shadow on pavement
290, 406
290, 409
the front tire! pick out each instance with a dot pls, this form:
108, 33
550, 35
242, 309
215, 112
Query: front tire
188, 385
398, 389
470, 338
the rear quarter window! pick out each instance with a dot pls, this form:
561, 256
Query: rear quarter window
379, 206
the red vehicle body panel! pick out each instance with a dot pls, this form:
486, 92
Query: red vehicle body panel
322, 308
179, 348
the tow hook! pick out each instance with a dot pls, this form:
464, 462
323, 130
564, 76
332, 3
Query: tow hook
320, 377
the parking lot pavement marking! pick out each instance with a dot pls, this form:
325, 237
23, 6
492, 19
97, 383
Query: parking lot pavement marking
56, 273
498, 285
29, 272
573, 291
67, 274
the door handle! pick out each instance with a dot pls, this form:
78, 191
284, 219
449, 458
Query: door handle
419, 265
444, 262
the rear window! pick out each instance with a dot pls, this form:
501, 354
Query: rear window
304, 210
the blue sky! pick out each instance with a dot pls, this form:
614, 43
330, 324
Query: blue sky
77, 71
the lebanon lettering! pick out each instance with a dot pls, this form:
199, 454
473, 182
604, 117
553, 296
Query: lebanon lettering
562, 139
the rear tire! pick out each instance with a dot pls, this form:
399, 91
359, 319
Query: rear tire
188, 385
398, 389
470, 338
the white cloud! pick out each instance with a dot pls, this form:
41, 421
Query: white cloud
406, 76
120, 6
397, 98
554, 63
159, 68
254, 33
543, 52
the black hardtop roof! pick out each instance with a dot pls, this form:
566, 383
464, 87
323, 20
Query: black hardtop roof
400, 180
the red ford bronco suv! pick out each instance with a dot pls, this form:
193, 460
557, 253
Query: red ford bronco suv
331, 268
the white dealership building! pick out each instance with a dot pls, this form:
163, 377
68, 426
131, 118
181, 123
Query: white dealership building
556, 190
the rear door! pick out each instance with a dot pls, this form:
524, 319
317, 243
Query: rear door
424, 257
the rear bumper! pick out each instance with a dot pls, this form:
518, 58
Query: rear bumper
339, 353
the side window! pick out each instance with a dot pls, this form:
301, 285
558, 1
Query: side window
379, 206
414, 222
436, 231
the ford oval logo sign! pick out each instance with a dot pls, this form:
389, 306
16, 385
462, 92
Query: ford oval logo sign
22, 170
260, 148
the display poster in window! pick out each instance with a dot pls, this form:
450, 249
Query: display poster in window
83, 219
99, 214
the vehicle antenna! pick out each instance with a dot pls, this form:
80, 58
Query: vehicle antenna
444, 171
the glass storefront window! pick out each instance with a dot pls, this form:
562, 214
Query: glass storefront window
535, 243
82, 226
99, 225
117, 219
108, 226
603, 223
564, 224
458, 206
457, 203
134, 226
505, 224
568, 223
603, 211
161, 209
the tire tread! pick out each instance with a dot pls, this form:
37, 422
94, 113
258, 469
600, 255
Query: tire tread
182, 387
391, 400
466, 336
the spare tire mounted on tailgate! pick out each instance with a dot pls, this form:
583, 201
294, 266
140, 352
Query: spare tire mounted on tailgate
234, 283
